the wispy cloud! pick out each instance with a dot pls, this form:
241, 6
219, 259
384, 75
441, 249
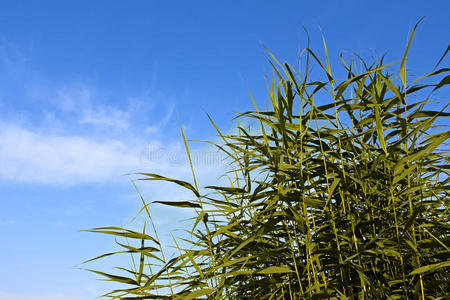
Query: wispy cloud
85, 105
7, 222
13, 60
105, 116
162, 122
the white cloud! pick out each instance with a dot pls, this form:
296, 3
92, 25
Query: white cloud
28, 156
20, 296
34, 156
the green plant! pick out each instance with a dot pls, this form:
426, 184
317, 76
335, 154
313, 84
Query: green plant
314, 208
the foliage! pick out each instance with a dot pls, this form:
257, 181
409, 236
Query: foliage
315, 208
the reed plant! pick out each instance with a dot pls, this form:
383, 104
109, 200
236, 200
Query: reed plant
344, 200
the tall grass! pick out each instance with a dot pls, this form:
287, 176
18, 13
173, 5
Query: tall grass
345, 200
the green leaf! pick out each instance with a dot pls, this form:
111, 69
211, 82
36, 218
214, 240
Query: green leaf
442, 57
116, 278
230, 190
275, 270
198, 293
379, 129
228, 263
117, 231
430, 268
444, 81
179, 182
393, 88
402, 64
179, 203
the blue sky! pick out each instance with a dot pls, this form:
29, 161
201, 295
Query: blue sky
92, 90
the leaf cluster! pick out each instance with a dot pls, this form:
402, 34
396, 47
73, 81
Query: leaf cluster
345, 200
